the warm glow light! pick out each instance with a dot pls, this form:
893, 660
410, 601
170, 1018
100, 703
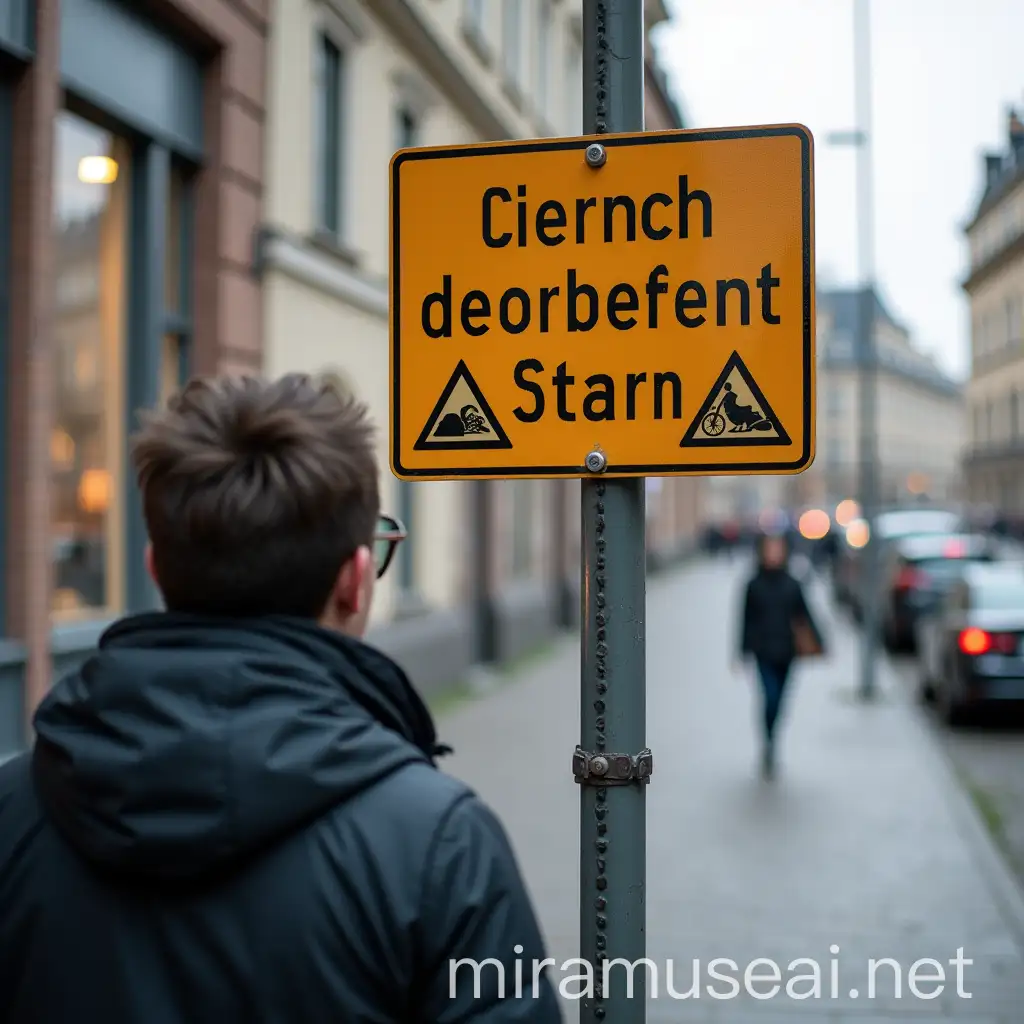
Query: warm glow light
847, 511
917, 483
94, 490
62, 449
97, 170
814, 524
857, 533
974, 641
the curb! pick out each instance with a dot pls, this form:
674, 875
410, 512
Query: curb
1002, 882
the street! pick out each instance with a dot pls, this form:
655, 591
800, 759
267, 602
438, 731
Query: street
864, 847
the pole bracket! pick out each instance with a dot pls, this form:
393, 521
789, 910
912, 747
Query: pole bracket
603, 769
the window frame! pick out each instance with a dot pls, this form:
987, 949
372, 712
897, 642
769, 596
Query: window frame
512, 49
522, 505
542, 58
151, 317
330, 219
95, 618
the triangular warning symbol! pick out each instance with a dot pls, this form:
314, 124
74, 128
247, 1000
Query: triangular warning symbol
462, 418
735, 413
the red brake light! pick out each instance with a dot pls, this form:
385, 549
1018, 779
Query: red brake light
1004, 643
908, 578
975, 641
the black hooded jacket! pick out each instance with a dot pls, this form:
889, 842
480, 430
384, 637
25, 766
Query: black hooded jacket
772, 603
242, 823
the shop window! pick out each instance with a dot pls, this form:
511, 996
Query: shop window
91, 227
328, 155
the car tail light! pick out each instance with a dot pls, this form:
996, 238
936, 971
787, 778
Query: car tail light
908, 578
1004, 643
975, 641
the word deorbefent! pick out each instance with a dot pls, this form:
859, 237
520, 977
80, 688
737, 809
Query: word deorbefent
574, 305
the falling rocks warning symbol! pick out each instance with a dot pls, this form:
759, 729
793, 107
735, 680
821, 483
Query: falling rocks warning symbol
462, 418
735, 413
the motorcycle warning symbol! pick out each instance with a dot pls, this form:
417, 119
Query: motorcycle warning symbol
462, 418
734, 413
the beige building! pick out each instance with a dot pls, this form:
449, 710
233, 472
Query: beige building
994, 467
491, 568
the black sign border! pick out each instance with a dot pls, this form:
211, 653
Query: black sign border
610, 142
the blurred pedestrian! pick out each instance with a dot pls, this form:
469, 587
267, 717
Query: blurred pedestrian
776, 628
232, 811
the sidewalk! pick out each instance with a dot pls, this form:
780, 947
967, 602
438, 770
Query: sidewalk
865, 840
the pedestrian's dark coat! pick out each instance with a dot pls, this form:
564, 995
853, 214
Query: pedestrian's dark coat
242, 824
773, 602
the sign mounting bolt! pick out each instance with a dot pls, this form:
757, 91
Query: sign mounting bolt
596, 155
596, 462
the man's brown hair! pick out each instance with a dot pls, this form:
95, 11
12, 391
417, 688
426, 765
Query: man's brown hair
256, 493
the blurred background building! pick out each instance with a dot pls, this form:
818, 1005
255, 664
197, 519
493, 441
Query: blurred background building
920, 420
995, 288
920, 412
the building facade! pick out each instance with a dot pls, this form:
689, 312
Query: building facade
919, 412
920, 423
131, 181
490, 568
994, 466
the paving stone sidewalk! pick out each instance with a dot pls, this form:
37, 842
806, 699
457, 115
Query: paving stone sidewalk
865, 841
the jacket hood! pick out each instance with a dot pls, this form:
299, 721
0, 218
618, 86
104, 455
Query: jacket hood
185, 743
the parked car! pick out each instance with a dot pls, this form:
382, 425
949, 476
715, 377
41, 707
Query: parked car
917, 572
972, 650
889, 527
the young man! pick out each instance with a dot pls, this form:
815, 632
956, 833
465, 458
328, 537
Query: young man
232, 813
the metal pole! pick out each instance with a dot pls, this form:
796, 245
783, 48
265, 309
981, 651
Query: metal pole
869, 359
613, 839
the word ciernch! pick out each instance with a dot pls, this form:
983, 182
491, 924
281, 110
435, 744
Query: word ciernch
574, 305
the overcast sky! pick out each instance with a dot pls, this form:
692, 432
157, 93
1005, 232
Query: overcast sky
944, 74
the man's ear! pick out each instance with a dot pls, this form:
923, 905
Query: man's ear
147, 556
350, 591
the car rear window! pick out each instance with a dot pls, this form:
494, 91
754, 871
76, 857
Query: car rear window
1001, 596
948, 570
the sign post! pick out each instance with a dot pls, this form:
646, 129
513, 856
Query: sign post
608, 308
613, 698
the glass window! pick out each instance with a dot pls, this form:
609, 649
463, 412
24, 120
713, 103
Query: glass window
176, 260
90, 222
1002, 596
542, 58
406, 129
172, 357
574, 88
473, 14
522, 527
328, 136
511, 41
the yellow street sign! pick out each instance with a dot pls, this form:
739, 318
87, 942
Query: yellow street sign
657, 308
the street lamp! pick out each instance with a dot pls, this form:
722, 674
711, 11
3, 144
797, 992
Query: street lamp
860, 139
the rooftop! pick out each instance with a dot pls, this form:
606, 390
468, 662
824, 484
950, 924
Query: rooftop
843, 348
1003, 171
